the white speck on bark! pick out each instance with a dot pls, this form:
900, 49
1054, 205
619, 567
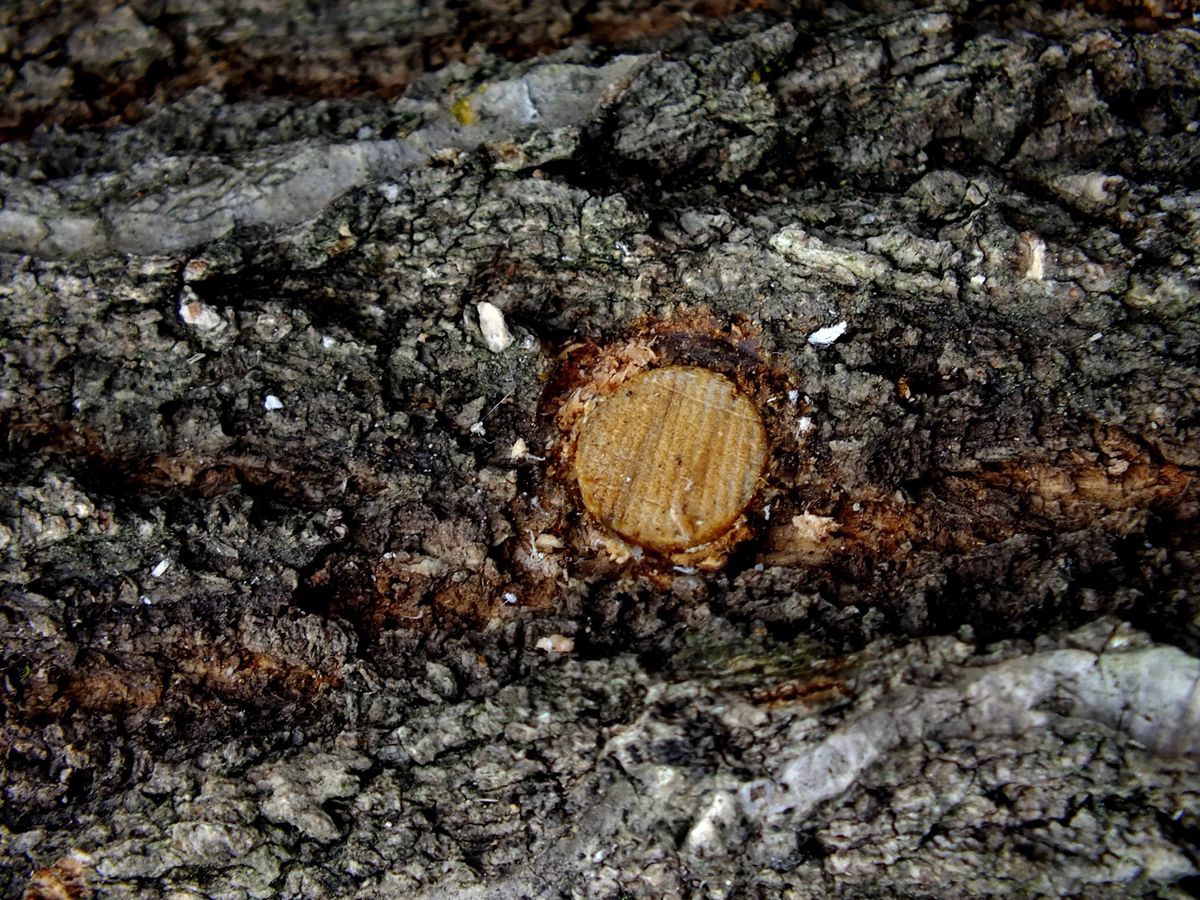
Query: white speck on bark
197, 313
556, 643
825, 336
1034, 257
496, 335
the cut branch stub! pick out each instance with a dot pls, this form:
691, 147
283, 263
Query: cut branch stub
672, 458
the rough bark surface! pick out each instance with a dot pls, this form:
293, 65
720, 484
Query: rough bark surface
297, 596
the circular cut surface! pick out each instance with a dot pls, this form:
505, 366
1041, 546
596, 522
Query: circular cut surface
672, 458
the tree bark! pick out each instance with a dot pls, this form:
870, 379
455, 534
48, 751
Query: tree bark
299, 598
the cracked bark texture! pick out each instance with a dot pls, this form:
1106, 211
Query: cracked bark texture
276, 584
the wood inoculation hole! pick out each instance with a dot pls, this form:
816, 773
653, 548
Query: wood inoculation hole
672, 458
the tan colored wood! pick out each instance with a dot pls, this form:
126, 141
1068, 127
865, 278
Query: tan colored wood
672, 458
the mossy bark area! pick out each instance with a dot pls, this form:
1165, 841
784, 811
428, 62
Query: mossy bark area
292, 553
